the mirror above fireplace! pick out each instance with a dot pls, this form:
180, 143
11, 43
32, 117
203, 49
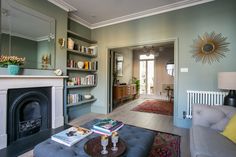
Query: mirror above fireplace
27, 33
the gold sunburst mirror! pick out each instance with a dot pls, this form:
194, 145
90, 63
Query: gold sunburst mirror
209, 48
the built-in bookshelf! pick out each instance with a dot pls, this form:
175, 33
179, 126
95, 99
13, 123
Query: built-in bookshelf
81, 102
81, 69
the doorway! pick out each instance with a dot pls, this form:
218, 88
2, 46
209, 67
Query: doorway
146, 68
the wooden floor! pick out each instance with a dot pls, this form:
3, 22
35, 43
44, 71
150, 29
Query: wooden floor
145, 120
141, 119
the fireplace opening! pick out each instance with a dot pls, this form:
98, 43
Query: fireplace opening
29, 112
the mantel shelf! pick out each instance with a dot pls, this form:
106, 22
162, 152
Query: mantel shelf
81, 53
76, 35
81, 102
32, 77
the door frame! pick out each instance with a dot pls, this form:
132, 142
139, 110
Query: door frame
176, 61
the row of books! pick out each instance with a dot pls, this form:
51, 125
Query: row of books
107, 126
86, 65
87, 80
74, 98
91, 65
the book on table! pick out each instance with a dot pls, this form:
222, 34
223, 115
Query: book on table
107, 126
108, 133
71, 135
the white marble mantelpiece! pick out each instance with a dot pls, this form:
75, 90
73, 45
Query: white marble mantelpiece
30, 81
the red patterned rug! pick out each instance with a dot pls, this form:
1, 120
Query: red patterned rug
156, 106
165, 145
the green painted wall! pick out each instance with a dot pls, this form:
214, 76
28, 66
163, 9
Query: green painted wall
80, 29
4, 44
185, 25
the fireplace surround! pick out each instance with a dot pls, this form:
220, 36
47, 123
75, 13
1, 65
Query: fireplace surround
9, 82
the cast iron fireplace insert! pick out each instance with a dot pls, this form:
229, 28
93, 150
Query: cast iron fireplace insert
28, 112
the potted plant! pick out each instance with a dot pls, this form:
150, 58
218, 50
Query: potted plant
137, 82
13, 63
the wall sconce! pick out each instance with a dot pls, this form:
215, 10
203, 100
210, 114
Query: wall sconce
61, 42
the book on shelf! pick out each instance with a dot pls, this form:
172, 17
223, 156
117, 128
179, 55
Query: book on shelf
71, 136
88, 65
87, 80
75, 98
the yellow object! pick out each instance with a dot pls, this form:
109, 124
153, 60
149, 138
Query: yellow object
104, 137
230, 129
114, 134
86, 65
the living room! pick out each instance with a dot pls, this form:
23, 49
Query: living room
182, 23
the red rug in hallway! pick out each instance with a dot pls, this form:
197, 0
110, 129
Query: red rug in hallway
165, 145
156, 106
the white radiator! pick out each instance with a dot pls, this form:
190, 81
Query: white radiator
203, 97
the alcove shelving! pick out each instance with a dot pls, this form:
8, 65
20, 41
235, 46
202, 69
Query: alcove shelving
83, 79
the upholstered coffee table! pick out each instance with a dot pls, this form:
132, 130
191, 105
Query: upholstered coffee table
138, 143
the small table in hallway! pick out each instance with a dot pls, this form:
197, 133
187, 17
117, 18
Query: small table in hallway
169, 93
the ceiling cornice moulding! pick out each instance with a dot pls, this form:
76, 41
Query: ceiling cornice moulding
79, 20
63, 5
146, 13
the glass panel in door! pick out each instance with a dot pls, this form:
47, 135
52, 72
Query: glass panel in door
150, 77
142, 76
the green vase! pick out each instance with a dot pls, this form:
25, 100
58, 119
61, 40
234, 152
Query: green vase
13, 69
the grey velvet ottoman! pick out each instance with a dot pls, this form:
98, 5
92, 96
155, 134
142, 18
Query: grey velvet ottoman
138, 141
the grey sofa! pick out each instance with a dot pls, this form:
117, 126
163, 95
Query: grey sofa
205, 137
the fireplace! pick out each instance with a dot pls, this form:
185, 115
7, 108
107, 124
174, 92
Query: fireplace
28, 112
28, 121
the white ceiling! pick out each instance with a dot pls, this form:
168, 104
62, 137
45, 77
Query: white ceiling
99, 13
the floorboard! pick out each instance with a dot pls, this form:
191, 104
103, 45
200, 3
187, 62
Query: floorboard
146, 120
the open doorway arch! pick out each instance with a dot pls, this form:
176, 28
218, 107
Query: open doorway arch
110, 71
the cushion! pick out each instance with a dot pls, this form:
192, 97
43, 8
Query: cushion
209, 142
230, 129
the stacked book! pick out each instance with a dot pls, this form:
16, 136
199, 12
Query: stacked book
107, 126
71, 136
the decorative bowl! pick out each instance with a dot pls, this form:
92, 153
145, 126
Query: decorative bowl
87, 96
80, 64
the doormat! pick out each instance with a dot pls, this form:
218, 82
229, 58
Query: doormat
165, 145
156, 106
